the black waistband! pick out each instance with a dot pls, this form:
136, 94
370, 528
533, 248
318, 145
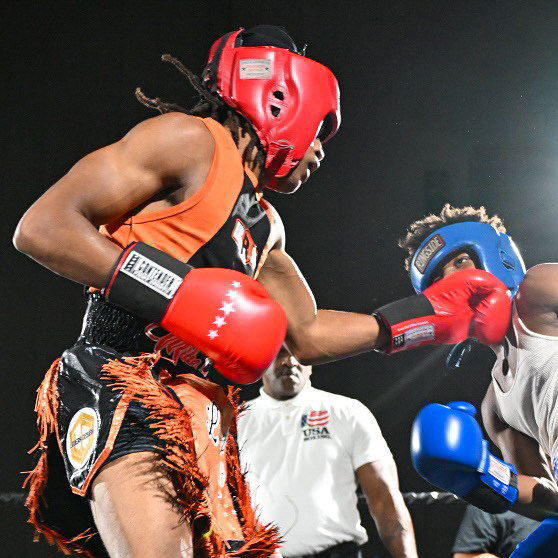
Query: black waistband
106, 324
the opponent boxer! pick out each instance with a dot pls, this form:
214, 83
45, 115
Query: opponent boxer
519, 409
135, 221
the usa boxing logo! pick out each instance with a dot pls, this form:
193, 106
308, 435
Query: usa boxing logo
314, 425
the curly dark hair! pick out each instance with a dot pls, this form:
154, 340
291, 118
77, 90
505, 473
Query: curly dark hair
209, 105
419, 230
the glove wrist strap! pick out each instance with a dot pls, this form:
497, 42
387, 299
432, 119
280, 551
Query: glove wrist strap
144, 280
405, 321
498, 489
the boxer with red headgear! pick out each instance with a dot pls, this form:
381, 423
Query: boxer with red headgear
289, 99
168, 229
187, 275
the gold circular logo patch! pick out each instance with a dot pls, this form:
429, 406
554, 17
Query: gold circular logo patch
82, 436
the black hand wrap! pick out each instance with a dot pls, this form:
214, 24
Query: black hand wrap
409, 308
394, 313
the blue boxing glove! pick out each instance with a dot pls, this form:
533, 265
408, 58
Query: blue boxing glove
448, 450
540, 543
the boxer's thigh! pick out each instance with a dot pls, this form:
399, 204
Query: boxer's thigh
133, 505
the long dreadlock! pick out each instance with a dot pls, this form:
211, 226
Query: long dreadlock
208, 106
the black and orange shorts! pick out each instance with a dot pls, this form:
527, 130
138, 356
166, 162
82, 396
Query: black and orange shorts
96, 405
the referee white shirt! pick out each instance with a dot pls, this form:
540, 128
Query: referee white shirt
300, 456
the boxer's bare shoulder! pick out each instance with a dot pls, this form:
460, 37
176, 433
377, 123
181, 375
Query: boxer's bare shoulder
537, 299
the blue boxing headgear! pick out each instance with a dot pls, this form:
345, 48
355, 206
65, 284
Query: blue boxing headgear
496, 252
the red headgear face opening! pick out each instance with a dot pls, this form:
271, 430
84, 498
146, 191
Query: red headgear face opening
287, 98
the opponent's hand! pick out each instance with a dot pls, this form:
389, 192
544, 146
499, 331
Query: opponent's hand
448, 450
469, 303
224, 313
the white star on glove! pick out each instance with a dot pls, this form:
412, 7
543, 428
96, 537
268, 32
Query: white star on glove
219, 321
235, 285
227, 308
213, 333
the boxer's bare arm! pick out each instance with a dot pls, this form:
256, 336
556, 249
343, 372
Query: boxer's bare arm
538, 493
537, 299
314, 336
168, 154
517, 448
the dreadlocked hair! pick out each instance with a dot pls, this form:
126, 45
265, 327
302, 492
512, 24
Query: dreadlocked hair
209, 105
449, 215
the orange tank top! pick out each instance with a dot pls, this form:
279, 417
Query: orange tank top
224, 224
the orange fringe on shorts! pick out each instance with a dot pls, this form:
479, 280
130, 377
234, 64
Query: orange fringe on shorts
46, 407
171, 423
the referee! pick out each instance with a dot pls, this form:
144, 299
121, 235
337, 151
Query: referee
305, 451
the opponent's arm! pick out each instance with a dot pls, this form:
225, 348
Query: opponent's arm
60, 230
448, 450
380, 485
537, 490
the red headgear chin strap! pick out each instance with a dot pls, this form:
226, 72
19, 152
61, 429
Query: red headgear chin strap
286, 97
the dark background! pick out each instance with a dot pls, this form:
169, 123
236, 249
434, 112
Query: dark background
441, 102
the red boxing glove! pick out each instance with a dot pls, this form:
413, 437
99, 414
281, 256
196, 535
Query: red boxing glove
469, 303
231, 318
225, 314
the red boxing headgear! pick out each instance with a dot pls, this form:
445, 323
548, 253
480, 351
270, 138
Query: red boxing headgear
286, 97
